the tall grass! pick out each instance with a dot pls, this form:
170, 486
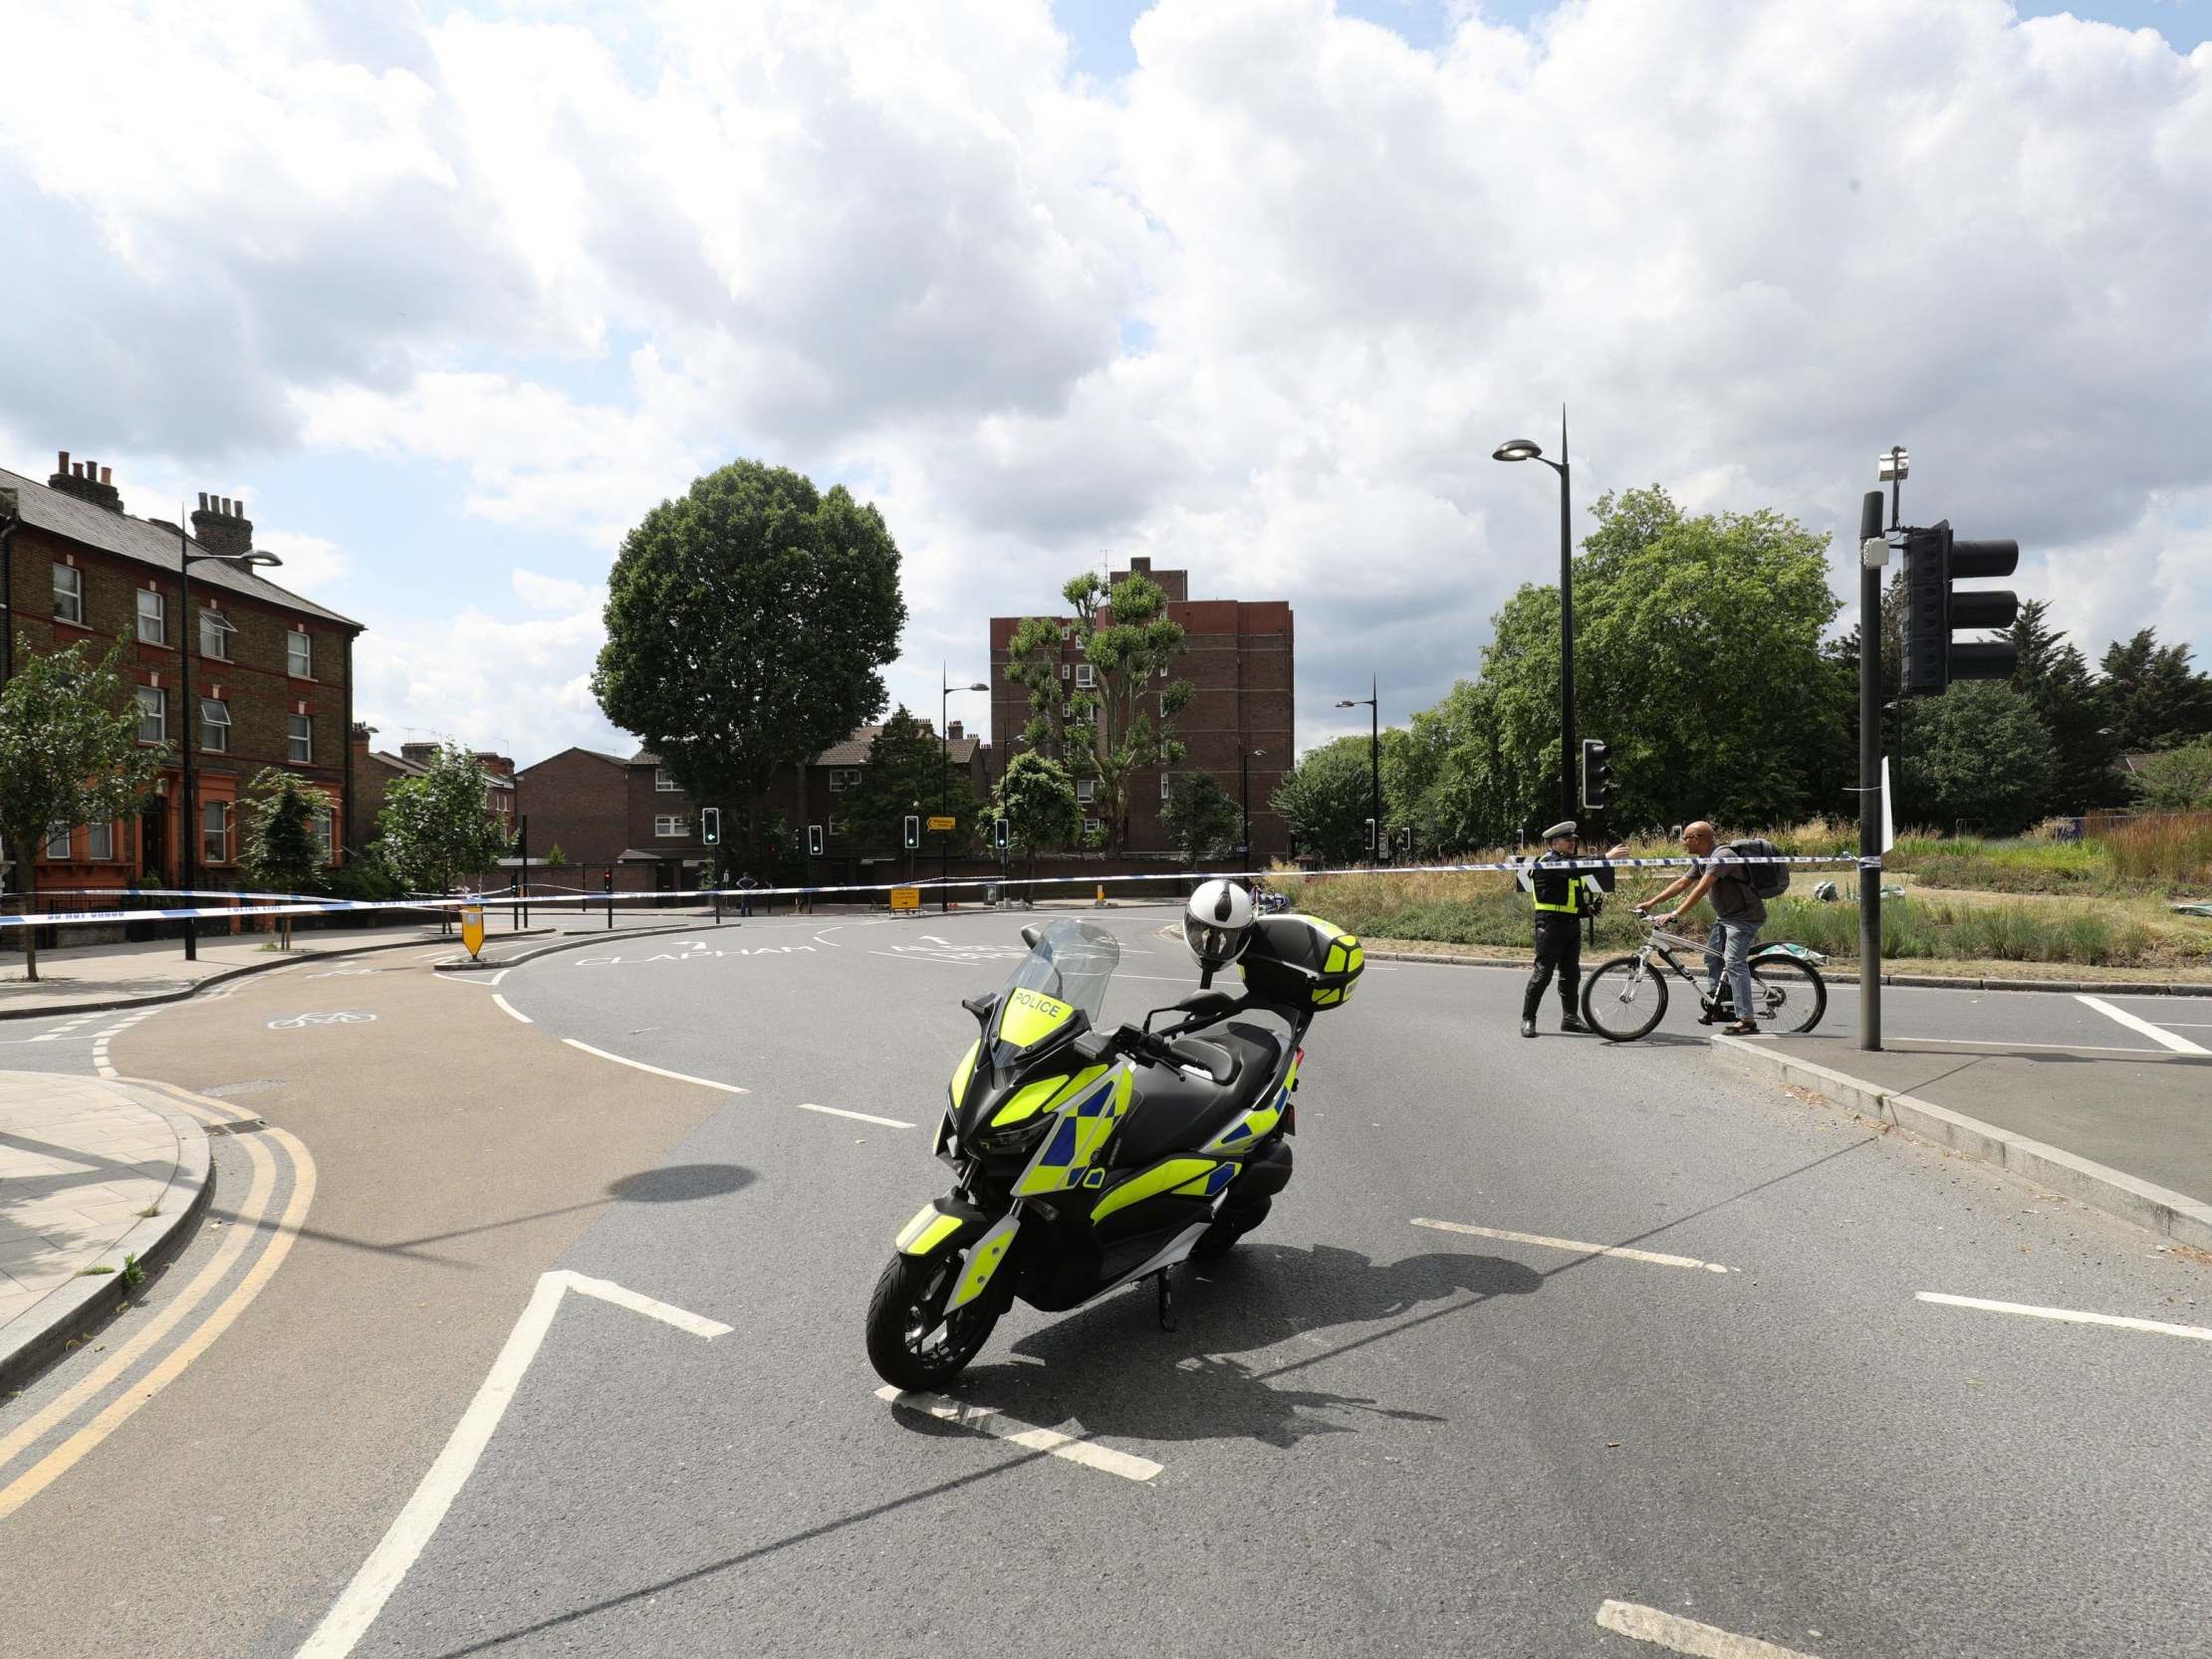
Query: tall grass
2175, 850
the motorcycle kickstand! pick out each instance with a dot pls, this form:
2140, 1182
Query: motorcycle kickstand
1166, 1300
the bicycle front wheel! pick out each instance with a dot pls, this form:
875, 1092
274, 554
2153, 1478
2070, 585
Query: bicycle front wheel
1791, 996
1623, 999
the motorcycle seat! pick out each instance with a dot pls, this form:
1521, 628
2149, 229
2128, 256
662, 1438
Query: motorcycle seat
1175, 1112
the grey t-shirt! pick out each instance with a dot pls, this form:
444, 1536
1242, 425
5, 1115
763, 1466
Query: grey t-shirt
1732, 897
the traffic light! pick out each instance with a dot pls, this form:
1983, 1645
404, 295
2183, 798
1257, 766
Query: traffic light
1934, 559
998, 835
1405, 840
1366, 836
814, 841
710, 825
914, 830
1596, 773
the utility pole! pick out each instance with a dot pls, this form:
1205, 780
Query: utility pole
1873, 558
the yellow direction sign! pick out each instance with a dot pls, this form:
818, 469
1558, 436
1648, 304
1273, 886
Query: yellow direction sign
936, 823
905, 898
472, 927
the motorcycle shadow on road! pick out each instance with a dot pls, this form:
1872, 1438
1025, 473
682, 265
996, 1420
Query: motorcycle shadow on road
1110, 1368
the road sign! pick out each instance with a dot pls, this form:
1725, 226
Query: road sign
905, 898
472, 927
939, 822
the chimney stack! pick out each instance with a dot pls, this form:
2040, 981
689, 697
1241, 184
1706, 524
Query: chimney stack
220, 529
952, 732
87, 481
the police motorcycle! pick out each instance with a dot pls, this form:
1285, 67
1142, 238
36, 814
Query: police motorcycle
1088, 1158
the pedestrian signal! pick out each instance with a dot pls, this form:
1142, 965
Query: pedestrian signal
710, 825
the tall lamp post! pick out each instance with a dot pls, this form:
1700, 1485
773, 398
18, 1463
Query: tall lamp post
188, 828
944, 783
1374, 760
1525, 449
1245, 757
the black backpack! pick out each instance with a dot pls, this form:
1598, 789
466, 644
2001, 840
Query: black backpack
1767, 880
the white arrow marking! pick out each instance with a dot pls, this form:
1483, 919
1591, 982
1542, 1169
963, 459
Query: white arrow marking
361, 1600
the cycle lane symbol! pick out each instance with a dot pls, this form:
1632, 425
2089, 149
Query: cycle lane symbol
338, 1017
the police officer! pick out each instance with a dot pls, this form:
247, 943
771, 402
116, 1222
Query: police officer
1563, 900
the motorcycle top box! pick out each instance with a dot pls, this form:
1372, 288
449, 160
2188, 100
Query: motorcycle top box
1301, 962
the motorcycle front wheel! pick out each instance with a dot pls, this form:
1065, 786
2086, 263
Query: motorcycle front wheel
1623, 999
910, 1341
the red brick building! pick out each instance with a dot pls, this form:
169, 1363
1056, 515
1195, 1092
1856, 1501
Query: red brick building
271, 672
376, 771
1239, 659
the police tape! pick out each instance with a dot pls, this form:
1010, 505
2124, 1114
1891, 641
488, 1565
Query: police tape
304, 904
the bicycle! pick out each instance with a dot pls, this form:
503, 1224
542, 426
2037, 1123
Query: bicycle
1624, 997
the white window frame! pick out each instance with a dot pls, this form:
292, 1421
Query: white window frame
222, 627
1167, 786
299, 653
1091, 826
69, 595
664, 781
153, 619
214, 727
99, 840
1087, 788
326, 833
1086, 676
60, 835
298, 740
835, 827
843, 778
662, 830
159, 713
215, 841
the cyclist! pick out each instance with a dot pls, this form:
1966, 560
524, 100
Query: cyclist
1737, 915
1563, 898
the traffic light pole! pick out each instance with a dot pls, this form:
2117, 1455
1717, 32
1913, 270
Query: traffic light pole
1870, 769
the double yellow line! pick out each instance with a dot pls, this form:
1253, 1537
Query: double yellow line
247, 1230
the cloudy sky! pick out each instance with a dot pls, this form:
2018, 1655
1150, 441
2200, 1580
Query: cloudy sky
451, 292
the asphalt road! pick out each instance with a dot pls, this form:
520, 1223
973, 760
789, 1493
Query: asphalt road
1371, 1436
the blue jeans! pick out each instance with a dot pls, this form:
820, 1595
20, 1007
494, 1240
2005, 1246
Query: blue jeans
1729, 946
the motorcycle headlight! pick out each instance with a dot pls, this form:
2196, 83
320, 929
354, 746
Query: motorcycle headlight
1017, 1137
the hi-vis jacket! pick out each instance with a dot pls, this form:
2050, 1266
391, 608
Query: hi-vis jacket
1562, 893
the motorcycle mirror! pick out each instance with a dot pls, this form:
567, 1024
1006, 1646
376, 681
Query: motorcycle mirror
1207, 1002
1209, 1057
1092, 1046
1030, 934
980, 1007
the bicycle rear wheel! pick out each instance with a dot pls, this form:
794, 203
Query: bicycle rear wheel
1623, 999
1791, 996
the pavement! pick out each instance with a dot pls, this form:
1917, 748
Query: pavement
563, 1351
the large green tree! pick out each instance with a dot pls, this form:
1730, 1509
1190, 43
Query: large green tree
2152, 697
747, 623
277, 843
1037, 798
907, 773
1326, 799
1123, 722
2174, 780
69, 755
1979, 758
1201, 817
2052, 675
434, 829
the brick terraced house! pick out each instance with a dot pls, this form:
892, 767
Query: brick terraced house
272, 672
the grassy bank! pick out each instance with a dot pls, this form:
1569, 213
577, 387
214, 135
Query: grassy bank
1925, 926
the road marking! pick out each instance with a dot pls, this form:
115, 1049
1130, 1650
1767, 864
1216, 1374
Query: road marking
656, 1070
864, 1117
2157, 1034
512, 1009
65, 1456
1999, 1043
1000, 1427
1652, 1256
1682, 1635
2069, 1315
363, 1598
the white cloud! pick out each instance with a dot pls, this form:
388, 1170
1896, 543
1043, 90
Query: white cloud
894, 241
311, 564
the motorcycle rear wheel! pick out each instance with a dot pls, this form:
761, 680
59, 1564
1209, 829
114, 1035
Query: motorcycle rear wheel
910, 1341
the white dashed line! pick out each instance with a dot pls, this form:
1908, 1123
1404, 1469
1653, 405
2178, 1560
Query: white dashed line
2157, 1034
656, 1070
512, 1010
999, 1427
2068, 1315
864, 1117
1653, 1257
1680, 1635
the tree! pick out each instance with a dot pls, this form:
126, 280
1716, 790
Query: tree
1202, 820
1123, 722
555, 857
906, 774
277, 843
2174, 780
435, 827
1325, 800
2053, 676
1980, 758
2152, 697
746, 625
69, 755
1037, 798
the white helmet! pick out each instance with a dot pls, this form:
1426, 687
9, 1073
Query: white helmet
1217, 923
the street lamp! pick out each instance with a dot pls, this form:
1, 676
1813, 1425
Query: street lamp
1374, 760
1525, 449
188, 829
1245, 757
944, 783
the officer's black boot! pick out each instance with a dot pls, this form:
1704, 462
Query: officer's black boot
1569, 1020
1528, 1025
